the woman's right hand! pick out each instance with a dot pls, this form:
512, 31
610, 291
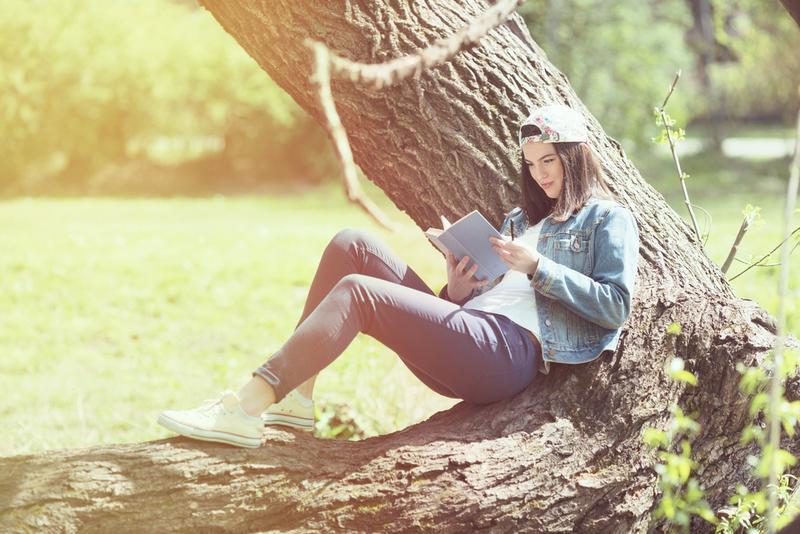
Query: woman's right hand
460, 279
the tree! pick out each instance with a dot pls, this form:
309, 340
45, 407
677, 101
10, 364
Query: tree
566, 456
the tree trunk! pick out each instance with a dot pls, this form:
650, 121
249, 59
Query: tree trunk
565, 456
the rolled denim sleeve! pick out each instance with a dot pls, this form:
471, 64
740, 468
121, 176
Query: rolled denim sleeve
603, 298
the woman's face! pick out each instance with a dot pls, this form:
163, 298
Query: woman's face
545, 167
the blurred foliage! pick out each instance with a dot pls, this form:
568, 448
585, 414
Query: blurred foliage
620, 57
123, 97
763, 82
87, 83
338, 421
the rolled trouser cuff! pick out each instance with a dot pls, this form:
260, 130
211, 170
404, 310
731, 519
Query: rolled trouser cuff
273, 380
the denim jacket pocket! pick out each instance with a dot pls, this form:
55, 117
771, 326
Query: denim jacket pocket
571, 249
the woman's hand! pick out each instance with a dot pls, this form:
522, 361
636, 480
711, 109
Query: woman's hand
516, 254
460, 280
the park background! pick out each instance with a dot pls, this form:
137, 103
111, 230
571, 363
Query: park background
164, 203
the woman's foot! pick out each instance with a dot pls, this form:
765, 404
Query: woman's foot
294, 411
222, 420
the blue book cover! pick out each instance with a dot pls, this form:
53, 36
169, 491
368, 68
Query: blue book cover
469, 236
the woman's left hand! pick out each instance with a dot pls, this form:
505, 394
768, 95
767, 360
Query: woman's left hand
517, 255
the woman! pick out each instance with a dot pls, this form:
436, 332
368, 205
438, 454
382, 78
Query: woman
564, 299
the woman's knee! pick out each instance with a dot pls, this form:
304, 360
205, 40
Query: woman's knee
353, 282
350, 236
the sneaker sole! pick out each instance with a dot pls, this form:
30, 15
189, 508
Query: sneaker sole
300, 423
208, 435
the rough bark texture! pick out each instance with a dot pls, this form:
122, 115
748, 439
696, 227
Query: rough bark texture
566, 456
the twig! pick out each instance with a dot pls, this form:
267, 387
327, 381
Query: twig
386, 74
321, 76
709, 219
671, 88
776, 383
381, 75
743, 228
681, 175
765, 256
760, 264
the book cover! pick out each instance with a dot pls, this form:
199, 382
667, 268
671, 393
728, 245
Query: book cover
469, 236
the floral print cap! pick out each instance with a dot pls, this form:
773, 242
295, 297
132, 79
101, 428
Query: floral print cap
558, 123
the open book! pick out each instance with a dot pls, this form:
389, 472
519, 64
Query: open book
469, 236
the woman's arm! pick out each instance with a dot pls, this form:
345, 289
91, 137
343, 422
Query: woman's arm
605, 297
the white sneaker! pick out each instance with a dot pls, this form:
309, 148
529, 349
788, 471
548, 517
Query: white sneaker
292, 411
221, 420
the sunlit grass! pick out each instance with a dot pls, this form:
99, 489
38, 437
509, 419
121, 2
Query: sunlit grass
723, 187
760, 283
113, 310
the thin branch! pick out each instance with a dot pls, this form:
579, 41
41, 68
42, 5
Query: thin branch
760, 264
382, 75
671, 88
386, 74
776, 382
321, 76
709, 222
765, 256
675, 159
743, 228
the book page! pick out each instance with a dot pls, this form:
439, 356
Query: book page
471, 234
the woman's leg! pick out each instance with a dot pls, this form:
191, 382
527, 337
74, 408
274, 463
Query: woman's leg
477, 356
358, 252
469, 354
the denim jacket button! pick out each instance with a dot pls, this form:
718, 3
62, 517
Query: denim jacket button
547, 322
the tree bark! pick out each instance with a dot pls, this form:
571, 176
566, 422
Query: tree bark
564, 456
793, 8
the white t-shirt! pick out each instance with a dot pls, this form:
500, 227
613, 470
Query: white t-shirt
513, 296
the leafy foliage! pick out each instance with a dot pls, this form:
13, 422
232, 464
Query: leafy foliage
111, 81
762, 81
618, 56
682, 496
748, 508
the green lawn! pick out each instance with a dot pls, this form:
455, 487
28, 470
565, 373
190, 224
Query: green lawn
113, 310
723, 187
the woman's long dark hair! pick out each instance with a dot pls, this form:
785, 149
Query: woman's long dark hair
583, 178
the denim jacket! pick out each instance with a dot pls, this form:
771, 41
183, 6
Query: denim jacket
585, 279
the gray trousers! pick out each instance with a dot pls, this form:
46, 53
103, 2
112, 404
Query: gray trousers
361, 285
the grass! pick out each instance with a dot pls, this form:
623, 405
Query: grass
113, 310
723, 187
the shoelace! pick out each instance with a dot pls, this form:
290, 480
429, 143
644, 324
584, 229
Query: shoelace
210, 403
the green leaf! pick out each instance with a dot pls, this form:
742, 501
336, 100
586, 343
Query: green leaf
655, 437
758, 403
677, 372
751, 212
684, 376
674, 329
